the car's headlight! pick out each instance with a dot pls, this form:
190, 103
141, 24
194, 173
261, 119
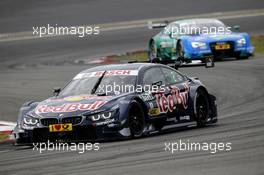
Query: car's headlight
102, 116
198, 44
241, 42
29, 120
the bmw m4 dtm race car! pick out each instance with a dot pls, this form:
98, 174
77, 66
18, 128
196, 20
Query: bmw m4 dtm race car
116, 101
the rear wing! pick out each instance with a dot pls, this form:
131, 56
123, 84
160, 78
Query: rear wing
152, 25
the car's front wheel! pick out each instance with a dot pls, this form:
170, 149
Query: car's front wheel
153, 53
201, 108
136, 120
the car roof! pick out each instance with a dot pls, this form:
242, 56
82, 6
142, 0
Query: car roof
127, 66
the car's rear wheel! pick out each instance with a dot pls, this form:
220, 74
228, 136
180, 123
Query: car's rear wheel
201, 108
180, 51
136, 119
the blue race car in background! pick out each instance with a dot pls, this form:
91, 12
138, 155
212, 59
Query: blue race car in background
197, 39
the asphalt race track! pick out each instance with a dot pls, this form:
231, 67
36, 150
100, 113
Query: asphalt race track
20, 16
30, 68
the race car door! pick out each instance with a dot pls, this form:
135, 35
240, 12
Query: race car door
153, 78
178, 95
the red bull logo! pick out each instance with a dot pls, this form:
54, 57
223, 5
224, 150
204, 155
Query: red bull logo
169, 102
69, 107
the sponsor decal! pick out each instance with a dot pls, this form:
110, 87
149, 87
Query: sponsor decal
169, 102
186, 117
108, 73
151, 105
69, 107
74, 98
217, 37
147, 97
172, 120
154, 111
60, 127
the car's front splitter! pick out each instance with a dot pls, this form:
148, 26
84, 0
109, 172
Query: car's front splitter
79, 134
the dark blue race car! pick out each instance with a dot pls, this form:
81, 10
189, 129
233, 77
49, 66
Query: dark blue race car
117, 101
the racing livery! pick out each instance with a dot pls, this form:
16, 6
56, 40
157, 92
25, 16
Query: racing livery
116, 101
197, 39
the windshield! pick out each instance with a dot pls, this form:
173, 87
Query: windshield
111, 83
196, 27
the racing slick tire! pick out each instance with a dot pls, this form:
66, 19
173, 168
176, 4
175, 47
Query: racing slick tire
153, 53
136, 119
201, 107
180, 51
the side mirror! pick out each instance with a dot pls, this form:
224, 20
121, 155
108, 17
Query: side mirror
158, 83
236, 28
56, 91
177, 64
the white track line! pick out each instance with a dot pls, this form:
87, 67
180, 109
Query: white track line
6, 128
139, 23
7, 123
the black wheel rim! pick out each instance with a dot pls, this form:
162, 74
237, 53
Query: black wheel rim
136, 125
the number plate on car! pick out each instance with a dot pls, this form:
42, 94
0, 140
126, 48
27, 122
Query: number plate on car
60, 127
222, 46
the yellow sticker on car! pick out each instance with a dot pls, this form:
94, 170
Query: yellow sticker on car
154, 111
60, 127
222, 46
74, 98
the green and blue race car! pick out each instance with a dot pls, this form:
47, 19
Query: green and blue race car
197, 39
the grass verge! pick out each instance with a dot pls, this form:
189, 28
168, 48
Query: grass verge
258, 42
4, 137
